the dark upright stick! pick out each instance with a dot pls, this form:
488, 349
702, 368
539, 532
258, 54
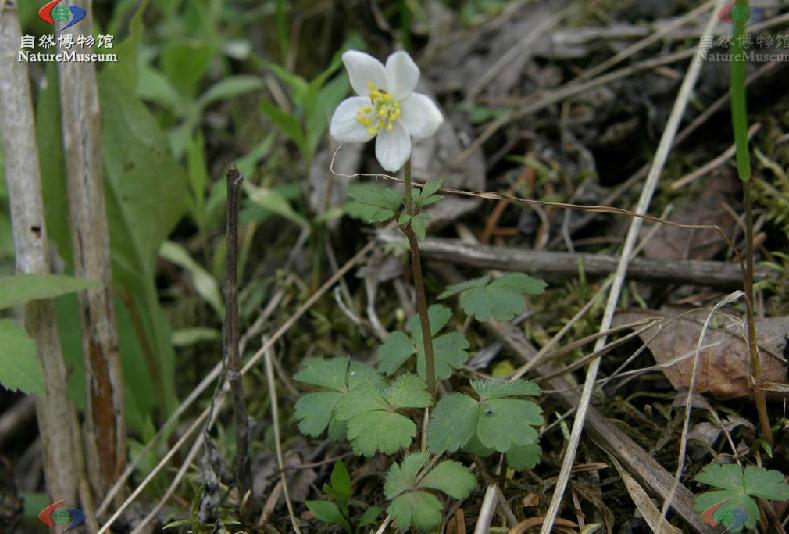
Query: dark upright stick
232, 358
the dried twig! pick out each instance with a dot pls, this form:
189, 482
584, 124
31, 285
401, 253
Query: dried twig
232, 360
105, 426
562, 265
486, 511
56, 416
630, 241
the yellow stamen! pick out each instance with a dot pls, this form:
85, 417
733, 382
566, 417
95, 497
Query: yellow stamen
383, 113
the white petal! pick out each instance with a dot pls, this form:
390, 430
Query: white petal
344, 126
392, 149
420, 115
402, 74
363, 69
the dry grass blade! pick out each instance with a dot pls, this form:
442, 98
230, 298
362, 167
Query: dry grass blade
648, 510
272, 393
683, 442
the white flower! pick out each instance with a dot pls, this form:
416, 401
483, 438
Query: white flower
387, 107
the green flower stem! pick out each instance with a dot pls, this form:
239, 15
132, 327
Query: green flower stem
739, 118
421, 299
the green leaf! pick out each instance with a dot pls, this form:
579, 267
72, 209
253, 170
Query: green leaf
498, 423
287, 123
453, 423
373, 203
186, 62
521, 457
373, 423
369, 516
418, 509
394, 351
230, 87
765, 484
450, 350
438, 316
328, 512
341, 479
401, 477
275, 202
452, 478
454, 289
379, 430
408, 391
733, 503
22, 288
204, 283
316, 411
498, 389
500, 299
429, 189
504, 423
450, 354
419, 224
522, 283
411, 507
20, 368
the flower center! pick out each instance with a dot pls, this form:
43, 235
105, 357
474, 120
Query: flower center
382, 114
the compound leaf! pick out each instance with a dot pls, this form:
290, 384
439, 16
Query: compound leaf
732, 505
500, 299
373, 203
416, 509
452, 478
452, 423
449, 349
316, 411
402, 477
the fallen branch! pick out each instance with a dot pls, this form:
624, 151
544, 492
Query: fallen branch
563, 265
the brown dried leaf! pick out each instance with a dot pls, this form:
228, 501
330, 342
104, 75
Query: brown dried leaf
673, 243
723, 365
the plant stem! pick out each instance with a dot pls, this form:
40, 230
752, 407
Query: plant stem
421, 299
753, 347
739, 116
232, 358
